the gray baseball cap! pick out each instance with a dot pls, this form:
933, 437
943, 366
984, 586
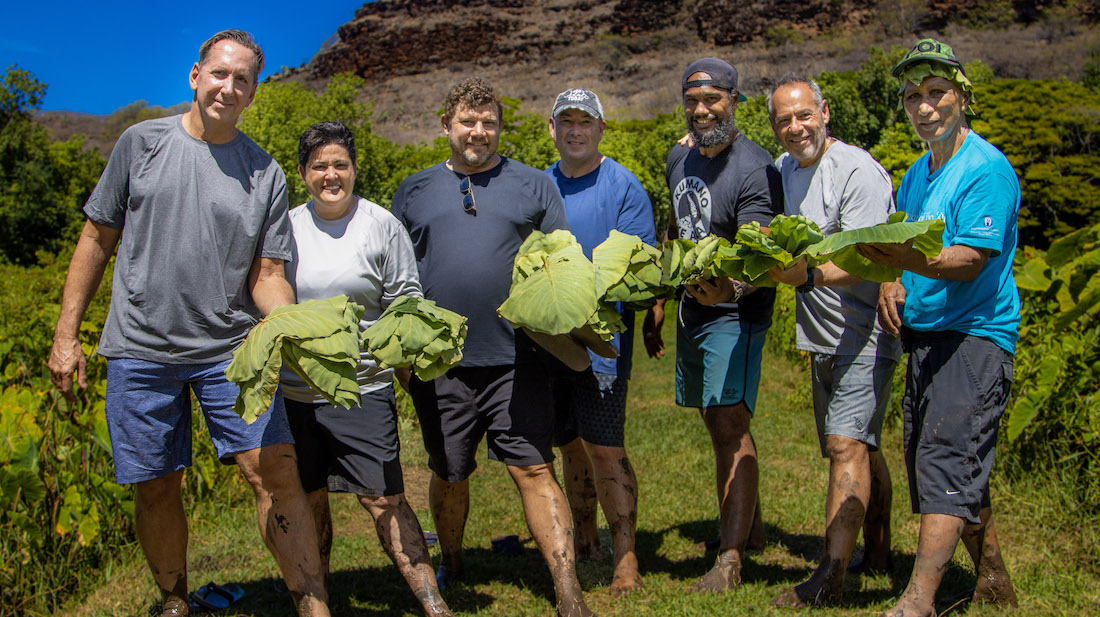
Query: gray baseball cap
579, 98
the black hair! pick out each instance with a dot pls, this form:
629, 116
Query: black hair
323, 134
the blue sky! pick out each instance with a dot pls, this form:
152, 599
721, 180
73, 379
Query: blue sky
99, 56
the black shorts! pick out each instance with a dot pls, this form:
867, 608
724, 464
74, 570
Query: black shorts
349, 450
591, 406
509, 405
956, 389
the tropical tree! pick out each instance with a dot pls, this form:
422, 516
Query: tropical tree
43, 185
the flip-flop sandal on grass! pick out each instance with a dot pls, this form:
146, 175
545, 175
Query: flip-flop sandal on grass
217, 597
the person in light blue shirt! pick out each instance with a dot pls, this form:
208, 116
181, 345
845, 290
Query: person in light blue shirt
958, 314
600, 195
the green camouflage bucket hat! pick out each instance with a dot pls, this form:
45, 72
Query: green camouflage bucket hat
931, 57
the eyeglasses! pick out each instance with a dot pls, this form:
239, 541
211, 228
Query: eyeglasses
467, 189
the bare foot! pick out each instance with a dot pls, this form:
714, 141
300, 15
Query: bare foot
997, 590
825, 587
994, 584
905, 608
804, 596
309, 606
724, 576
574, 608
175, 606
622, 584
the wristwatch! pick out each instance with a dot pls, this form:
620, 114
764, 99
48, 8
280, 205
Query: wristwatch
809, 284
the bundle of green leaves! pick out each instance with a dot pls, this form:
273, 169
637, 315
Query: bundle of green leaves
787, 239
416, 332
629, 271
553, 285
317, 339
712, 256
840, 248
553, 299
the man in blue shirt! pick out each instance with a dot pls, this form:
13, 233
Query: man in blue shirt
958, 314
590, 407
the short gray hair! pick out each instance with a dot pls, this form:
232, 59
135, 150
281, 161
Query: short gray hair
795, 78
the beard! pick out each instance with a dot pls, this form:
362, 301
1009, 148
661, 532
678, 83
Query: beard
720, 135
470, 158
475, 160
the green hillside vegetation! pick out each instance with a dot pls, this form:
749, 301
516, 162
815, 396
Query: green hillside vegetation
65, 526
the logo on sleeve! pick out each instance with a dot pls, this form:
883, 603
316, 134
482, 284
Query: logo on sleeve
985, 228
691, 201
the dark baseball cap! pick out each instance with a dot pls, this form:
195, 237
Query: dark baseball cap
722, 75
928, 50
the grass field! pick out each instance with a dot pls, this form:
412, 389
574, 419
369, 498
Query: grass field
670, 451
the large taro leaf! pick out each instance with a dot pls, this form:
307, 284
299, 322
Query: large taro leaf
343, 345
389, 353
672, 261
840, 248
623, 255
257, 391
417, 332
257, 360
558, 297
606, 321
1072, 246
1088, 304
333, 379
536, 248
1032, 276
309, 319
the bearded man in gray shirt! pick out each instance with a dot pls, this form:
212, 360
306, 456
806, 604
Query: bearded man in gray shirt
839, 187
198, 213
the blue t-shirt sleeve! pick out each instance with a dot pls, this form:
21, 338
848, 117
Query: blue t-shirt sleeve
636, 216
553, 217
986, 212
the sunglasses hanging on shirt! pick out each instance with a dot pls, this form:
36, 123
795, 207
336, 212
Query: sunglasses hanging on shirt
467, 189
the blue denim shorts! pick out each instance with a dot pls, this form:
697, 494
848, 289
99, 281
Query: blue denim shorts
718, 362
149, 416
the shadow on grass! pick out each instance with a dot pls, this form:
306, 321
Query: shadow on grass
381, 591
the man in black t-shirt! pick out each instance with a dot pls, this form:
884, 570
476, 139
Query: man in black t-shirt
718, 184
467, 218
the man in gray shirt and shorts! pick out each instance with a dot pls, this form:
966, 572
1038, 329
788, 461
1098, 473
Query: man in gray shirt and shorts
839, 187
198, 213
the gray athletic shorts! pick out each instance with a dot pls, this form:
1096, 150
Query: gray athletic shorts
352, 450
956, 389
850, 396
591, 406
508, 405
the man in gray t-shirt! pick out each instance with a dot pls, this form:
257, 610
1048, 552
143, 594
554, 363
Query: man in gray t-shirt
198, 213
839, 187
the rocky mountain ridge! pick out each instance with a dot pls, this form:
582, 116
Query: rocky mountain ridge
631, 52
